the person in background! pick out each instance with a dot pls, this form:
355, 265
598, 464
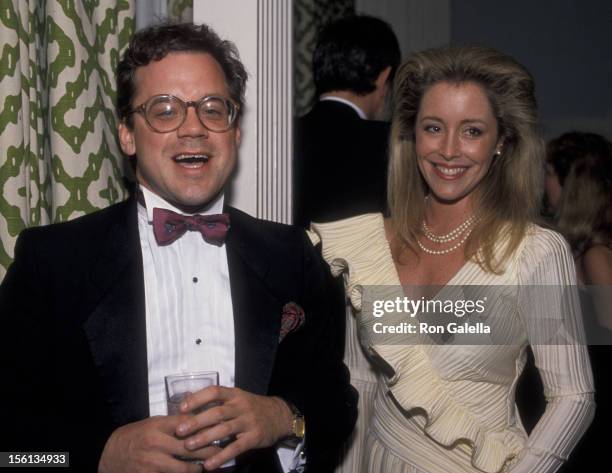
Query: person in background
579, 191
96, 311
340, 158
340, 145
465, 186
579, 195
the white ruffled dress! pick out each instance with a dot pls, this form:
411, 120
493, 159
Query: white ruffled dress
451, 408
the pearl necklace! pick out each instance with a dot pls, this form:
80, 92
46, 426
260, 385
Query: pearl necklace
465, 228
452, 235
448, 250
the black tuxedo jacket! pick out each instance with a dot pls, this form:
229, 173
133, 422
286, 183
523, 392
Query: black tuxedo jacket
73, 344
340, 164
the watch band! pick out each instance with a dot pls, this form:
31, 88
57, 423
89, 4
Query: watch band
298, 422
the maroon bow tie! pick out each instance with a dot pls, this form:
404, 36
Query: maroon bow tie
169, 226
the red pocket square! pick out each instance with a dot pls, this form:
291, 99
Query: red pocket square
292, 319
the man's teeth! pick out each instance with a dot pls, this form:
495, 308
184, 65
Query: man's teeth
191, 158
450, 171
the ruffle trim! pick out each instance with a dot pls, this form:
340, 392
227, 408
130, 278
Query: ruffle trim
416, 385
356, 246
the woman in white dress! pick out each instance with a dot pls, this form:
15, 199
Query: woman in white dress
465, 181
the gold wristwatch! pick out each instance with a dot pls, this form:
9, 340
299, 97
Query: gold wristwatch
298, 423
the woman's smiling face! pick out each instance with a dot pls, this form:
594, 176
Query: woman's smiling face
456, 138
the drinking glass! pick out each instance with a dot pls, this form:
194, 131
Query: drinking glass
178, 386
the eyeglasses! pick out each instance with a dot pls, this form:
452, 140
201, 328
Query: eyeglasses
166, 113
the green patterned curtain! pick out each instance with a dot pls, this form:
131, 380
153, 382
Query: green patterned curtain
59, 156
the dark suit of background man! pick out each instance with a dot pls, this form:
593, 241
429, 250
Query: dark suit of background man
96, 311
340, 146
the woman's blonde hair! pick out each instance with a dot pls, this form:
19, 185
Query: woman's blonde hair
583, 163
508, 197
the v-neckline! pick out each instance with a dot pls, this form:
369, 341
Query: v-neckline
391, 262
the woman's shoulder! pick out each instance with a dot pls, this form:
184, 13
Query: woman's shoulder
357, 246
346, 232
596, 265
542, 242
545, 256
599, 252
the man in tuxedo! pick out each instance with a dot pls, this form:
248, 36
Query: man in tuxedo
340, 145
98, 310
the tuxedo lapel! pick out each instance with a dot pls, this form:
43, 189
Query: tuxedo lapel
257, 311
116, 328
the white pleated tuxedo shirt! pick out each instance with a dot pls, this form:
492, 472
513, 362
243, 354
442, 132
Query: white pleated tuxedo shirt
189, 316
